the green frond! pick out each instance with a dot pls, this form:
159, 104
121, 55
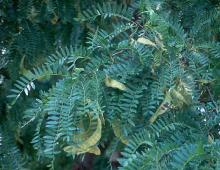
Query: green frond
134, 151
54, 66
106, 10
59, 116
98, 40
10, 156
185, 154
128, 104
178, 29
27, 82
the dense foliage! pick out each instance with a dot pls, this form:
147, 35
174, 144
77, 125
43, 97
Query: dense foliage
109, 84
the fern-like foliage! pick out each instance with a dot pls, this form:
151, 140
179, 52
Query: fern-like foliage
11, 157
143, 77
106, 10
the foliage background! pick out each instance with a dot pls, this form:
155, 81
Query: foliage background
186, 137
